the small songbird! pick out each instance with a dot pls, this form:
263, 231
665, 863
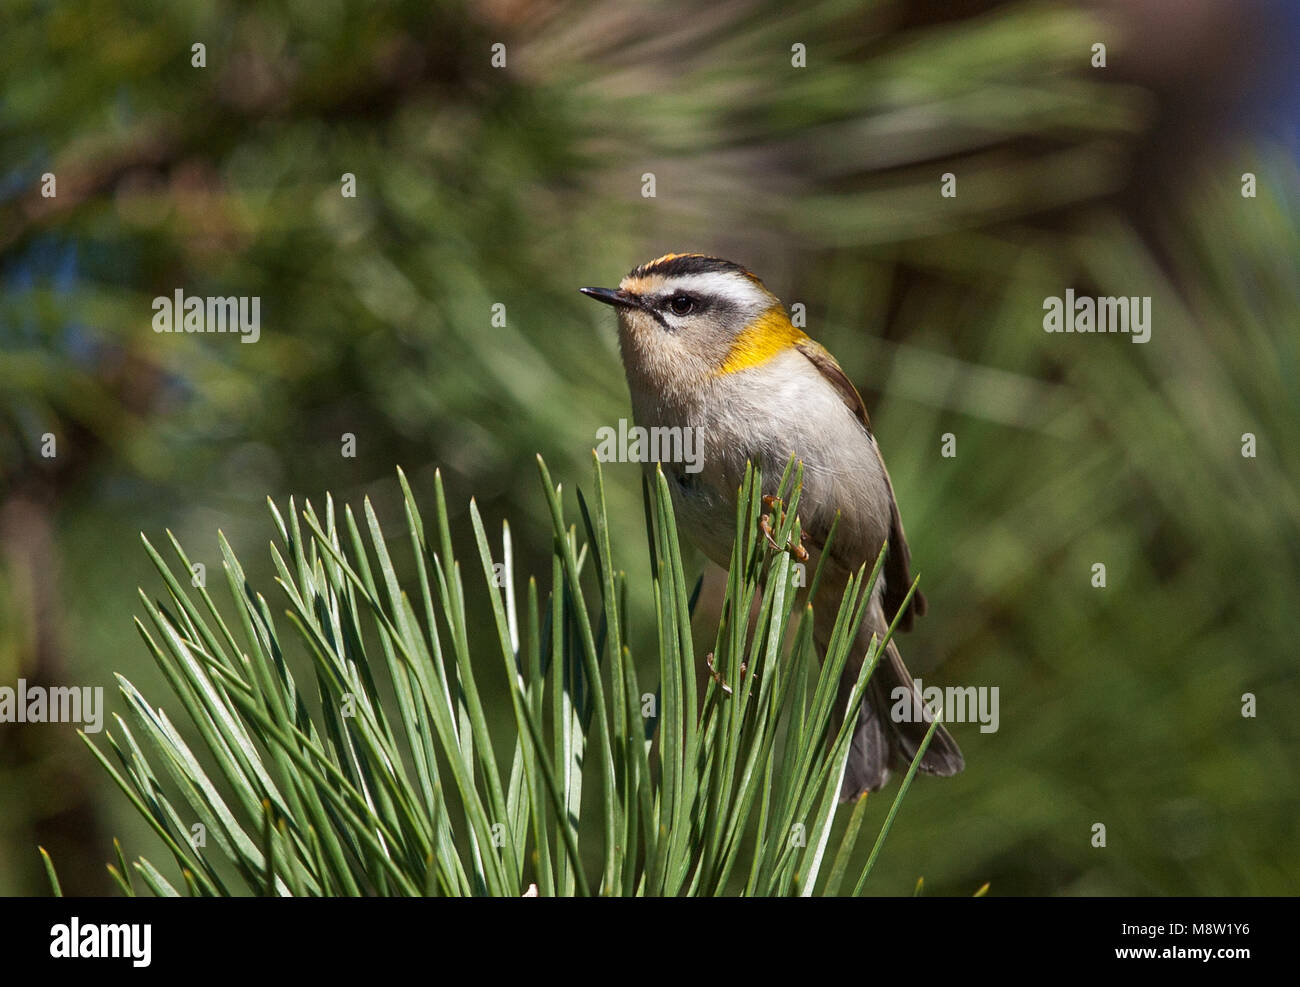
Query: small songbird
706, 345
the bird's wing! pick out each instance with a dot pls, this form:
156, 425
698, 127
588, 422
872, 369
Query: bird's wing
821, 358
897, 568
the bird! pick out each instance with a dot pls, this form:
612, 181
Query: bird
705, 345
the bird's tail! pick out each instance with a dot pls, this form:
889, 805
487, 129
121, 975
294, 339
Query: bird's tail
881, 740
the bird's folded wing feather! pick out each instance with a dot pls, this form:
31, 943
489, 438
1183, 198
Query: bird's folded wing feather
897, 568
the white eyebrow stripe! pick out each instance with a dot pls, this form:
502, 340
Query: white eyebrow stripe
729, 286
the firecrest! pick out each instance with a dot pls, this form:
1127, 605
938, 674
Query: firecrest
706, 345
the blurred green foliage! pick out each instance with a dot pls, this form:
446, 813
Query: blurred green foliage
479, 185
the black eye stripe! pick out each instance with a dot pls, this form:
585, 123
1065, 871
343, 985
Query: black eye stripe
698, 302
660, 308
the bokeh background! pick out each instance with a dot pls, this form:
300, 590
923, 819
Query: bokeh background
479, 185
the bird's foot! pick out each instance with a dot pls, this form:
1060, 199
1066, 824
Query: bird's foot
798, 550
717, 676
765, 525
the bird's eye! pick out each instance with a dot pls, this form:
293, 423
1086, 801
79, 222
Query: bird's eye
681, 304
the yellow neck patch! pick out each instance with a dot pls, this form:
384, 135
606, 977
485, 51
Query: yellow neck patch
767, 336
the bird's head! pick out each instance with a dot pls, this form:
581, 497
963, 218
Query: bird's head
684, 318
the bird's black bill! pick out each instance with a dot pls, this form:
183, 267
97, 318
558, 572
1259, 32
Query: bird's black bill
612, 296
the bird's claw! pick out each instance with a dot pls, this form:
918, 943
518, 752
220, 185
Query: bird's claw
765, 525
717, 676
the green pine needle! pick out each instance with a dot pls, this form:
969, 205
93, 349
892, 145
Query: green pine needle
342, 741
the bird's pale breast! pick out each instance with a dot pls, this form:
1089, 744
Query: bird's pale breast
764, 414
